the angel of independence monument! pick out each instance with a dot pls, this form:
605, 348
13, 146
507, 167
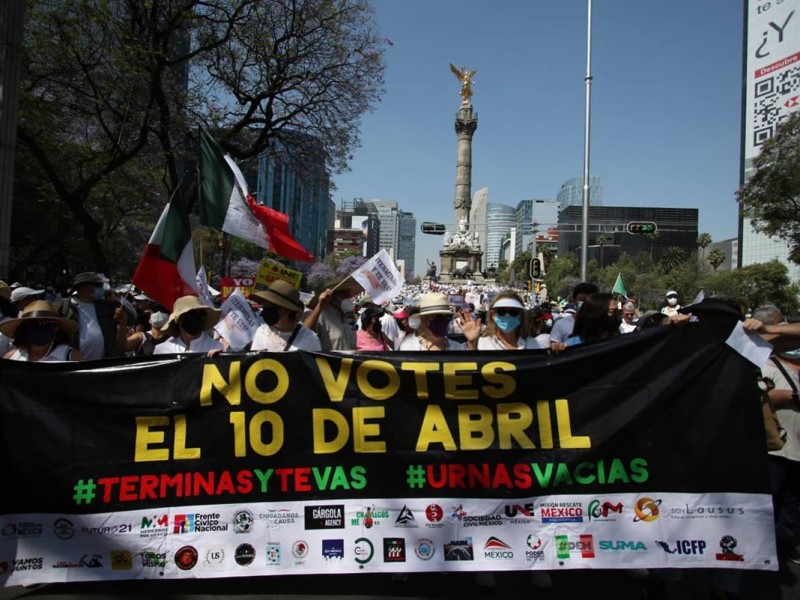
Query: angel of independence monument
460, 257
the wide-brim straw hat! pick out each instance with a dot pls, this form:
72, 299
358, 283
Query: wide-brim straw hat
38, 310
434, 303
281, 293
183, 305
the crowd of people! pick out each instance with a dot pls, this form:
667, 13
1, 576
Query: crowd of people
93, 320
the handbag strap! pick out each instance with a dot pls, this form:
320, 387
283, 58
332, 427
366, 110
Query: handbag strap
291, 337
786, 374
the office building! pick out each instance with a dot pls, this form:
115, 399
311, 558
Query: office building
571, 193
398, 233
292, 179
533, 215
355, 230
608, 231
500, 220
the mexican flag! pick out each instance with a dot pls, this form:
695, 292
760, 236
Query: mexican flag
226, 204
166, 270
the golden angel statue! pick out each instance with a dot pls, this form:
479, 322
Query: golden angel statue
465, 77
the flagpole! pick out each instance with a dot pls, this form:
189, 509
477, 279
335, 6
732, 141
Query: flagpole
586, 144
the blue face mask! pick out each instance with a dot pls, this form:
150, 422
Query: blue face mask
506, 323
99, 293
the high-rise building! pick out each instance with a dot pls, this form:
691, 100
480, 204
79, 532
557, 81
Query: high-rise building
571, 193
771, 45
292, 179
500, 220
398, 231
533, 214
609, 236
477, 220
355, 230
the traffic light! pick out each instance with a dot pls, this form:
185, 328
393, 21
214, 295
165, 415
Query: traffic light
432, 228
536, 268
641, 227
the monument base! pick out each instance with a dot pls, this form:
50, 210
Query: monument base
460, 263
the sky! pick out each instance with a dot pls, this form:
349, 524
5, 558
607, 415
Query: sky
666, 100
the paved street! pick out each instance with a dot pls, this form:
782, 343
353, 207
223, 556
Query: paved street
569, 585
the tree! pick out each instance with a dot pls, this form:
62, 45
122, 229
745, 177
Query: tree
672, 258
770, 199
715, 258
601, 240
112, 94
703, 241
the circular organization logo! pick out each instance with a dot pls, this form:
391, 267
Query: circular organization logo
300, 549
186, 558
364, 551
63, 529
245, 554
646, 510
10, 529
215, 556
425, 549
434, 513
243, 521
534, 542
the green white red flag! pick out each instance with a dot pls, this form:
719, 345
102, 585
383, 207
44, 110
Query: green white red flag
226, 204
166, 270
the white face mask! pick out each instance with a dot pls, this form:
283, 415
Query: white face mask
413, 321
347, 305
672, 301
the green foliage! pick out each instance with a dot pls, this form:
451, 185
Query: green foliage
715, 258
771, 197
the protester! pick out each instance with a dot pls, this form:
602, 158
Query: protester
370, 335
102, 328
331, 316
435, 314
673, 305
281, 331
562, 328
597, 319
143, 343
504, 325
22, 296
40, 335
189, 328
628, 324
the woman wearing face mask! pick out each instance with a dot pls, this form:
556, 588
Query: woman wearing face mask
505, 323
599, 318
41, 335
189, 327
281, 332
332, 317
371, 336
434, 317
673, 306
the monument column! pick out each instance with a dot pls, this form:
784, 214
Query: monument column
460, 258
466, 124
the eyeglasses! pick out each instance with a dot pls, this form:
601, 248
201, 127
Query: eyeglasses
514, 312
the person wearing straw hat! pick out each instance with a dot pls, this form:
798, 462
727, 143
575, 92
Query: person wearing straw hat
332, 316
281, 331
435, 314
102, 324
189, 327
41, 335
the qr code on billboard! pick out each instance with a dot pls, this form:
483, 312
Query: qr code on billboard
775, 97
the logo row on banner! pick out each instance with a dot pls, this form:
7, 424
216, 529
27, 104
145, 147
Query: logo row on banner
457, 534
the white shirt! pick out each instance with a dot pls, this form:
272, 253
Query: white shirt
175, 345
90, 335
486, 342
415, 342
60, 353
272, 340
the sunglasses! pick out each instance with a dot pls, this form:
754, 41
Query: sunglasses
514, 312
